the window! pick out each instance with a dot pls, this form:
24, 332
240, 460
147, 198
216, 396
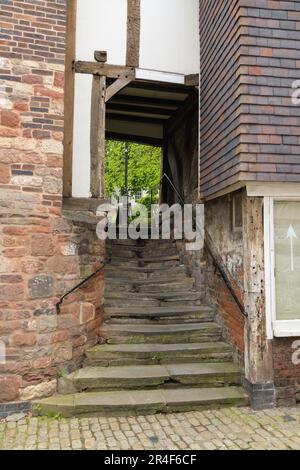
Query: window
282, 266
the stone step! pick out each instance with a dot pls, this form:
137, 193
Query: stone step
144, 269
125, 302
172, 314
187, 283
141, 354
162, 296
140, 401
116, 262
122, 278
147, 286
141, 377
114, 298
171, 333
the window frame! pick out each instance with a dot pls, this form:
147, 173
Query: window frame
274, 327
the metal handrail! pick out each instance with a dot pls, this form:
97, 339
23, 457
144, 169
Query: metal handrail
216, 263
80, 284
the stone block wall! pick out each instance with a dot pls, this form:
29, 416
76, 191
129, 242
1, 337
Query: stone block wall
43, 253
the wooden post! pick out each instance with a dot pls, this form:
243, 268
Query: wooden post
98, 135
258, 349
69, 97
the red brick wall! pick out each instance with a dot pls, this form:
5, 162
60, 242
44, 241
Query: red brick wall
286, 372
43, 253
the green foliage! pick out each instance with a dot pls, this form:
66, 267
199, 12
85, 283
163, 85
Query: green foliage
146, 200
143, 167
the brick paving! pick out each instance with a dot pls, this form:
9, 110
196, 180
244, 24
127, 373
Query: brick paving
228, 428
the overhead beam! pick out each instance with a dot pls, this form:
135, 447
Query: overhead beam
133, 32
106, 70
163, 87
192, 80
145, 120
134, 138
144, 101
190, 104
69, 97
118, 85
130, 108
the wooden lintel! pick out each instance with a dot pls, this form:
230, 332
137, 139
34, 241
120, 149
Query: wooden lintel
189, 105
145, 101
136, 109
97, 135
192, 80
130, 118
134, 138
106, 70
118, 85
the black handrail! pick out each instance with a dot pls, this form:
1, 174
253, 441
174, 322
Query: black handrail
80, 284
216, 263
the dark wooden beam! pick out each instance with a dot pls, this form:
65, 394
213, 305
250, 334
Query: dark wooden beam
69, 97
124, 117
162, 87
144, 101
118, 85
192, 80
133, 32
190, 105
130, 108
134, 138
106, 70
97, 136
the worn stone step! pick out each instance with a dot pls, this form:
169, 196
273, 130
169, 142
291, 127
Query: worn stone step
144, 269
162, 296
148, 285
187, 284
140, 280
116, 302
182, 313
160, 259
150, 376
171, 333
135, 354
140, 401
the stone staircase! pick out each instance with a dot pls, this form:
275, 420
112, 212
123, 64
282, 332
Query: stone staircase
161, 349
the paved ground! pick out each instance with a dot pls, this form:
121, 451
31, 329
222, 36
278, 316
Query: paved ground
231, 428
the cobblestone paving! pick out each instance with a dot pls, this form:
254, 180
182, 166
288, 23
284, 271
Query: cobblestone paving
229, 428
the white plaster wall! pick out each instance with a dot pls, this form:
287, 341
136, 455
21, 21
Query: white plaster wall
170, 36
101, 25
81, 136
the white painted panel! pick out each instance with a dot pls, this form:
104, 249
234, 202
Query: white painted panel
170, 36
102, 26
81, 141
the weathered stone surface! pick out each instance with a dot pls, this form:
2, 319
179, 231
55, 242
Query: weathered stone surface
44, 389
42, 245
4, 173
40, 287
9, 388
